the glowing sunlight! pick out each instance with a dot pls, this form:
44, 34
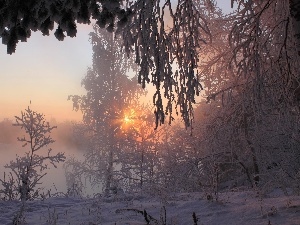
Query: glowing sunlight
128, 119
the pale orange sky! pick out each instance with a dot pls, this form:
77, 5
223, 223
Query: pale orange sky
44, 71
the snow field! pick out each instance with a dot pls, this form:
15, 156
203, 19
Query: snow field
233, 208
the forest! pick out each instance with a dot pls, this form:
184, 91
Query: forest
223, 115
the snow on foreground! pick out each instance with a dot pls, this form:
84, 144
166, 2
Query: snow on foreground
239, 208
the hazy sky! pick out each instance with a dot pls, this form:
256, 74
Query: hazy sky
45, 71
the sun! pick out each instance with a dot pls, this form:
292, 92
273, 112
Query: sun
127, 119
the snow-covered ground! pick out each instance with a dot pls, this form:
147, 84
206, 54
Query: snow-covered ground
239, 207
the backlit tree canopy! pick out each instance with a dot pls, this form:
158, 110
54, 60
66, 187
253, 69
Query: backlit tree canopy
165, 36
110, 94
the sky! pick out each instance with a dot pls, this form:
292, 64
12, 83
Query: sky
44, 71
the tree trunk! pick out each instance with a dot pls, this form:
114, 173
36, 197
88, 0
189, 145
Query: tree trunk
253, 152
109, 172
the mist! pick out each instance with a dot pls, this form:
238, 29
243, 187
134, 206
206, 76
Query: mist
55, 180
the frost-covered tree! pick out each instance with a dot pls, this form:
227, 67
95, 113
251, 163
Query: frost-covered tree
28, 170
180, 159
253, 84
268, 74
110, 94
140, 161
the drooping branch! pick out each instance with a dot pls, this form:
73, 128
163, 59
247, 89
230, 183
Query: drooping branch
166, 42
165, 39
19, 18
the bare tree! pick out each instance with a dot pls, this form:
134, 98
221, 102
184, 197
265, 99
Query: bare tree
28, 170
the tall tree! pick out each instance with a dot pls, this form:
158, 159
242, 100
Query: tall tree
109, 94
256, 96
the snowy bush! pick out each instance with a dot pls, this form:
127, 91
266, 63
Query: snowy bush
28, 170
74, 171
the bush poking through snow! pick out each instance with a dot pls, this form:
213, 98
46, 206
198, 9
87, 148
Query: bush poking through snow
195, 219
28, 170
148, 218
7, 191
